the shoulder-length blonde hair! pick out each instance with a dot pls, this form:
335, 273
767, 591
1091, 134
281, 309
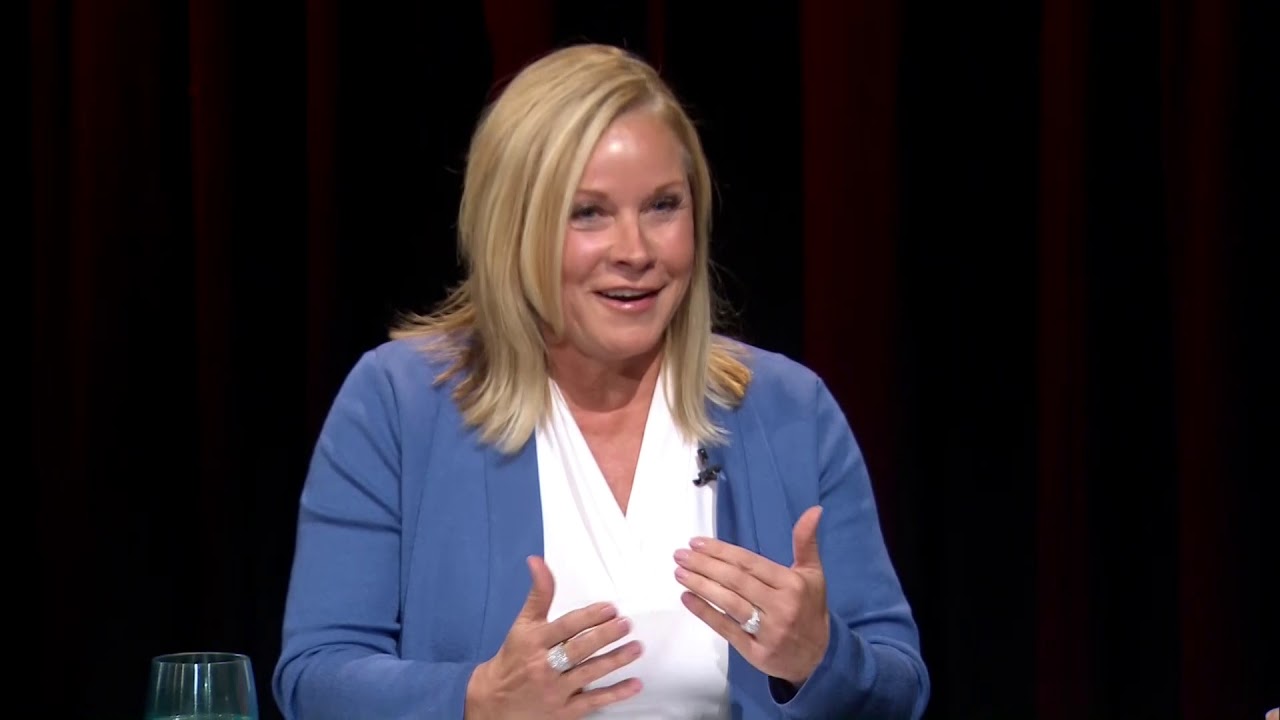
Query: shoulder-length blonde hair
526, 158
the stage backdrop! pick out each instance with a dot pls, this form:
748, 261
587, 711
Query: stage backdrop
1023, 242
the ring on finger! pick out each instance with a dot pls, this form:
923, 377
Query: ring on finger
558, 658
751, 625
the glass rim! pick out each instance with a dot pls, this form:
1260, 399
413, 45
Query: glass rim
200, 657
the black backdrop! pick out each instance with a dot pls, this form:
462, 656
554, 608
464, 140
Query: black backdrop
1027, 244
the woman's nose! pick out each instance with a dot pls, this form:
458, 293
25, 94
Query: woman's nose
632, 246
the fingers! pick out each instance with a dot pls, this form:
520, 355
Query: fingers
587, 702
804, 539
601, 665
577, 621
763, 569
588, 643
724, 626
538, 603
730, 599
709, 576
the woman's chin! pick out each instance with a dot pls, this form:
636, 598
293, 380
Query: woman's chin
629, 352
616, 350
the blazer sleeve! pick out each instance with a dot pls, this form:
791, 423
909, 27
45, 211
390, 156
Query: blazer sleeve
341, 629
872, 667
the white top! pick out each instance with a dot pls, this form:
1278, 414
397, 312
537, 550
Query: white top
598, 554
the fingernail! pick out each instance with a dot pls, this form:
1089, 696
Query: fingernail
697, 543
682, 555
623, 624
681, 573
608, 609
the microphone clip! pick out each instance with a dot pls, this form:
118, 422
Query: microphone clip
706, 471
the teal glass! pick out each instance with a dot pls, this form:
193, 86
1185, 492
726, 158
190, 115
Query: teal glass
202, 686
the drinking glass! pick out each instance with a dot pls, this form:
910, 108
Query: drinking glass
202, 686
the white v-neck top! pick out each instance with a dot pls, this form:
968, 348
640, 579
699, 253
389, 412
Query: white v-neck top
598, 554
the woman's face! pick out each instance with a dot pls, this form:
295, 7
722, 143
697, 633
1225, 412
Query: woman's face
629, 247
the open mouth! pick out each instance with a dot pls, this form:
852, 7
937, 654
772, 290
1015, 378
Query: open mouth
627, 296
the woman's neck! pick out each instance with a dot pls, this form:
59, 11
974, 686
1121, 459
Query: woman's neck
596, 387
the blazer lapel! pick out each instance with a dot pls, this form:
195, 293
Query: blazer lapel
750, 503
770, 507
735, 519
515, 533
750, 498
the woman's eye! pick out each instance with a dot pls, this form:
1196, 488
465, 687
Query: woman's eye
668, 203
585, 212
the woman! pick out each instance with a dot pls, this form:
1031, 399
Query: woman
562, 494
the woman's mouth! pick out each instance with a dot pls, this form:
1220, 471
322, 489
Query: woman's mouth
629, 299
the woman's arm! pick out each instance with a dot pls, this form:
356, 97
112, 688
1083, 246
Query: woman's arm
339, 657
872, 666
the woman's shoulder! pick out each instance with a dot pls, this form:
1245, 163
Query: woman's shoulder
409, 355
407, 368
776, 379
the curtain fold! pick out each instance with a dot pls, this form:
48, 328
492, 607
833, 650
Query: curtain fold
1062, 523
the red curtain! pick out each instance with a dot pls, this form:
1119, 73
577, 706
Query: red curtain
1062, 523
850, 218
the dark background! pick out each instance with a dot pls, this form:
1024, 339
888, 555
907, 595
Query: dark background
1028, 244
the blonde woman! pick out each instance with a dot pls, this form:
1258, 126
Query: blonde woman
563, 494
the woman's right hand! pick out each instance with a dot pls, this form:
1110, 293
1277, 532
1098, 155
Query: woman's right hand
519, 681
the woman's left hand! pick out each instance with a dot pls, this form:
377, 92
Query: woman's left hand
791, 603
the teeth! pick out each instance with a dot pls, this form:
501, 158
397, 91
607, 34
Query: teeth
626, 294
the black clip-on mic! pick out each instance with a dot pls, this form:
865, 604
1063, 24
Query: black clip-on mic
706, 471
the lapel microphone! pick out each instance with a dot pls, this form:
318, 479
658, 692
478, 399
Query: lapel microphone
706, 471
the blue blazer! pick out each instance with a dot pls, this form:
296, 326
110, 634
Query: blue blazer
412, 536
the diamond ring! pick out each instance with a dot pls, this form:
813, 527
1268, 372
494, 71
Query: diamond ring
752, 624
558, 659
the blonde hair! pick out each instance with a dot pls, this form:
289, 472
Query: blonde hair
526, 157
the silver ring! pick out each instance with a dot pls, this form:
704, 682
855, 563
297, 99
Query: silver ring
558, 659
752, 625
